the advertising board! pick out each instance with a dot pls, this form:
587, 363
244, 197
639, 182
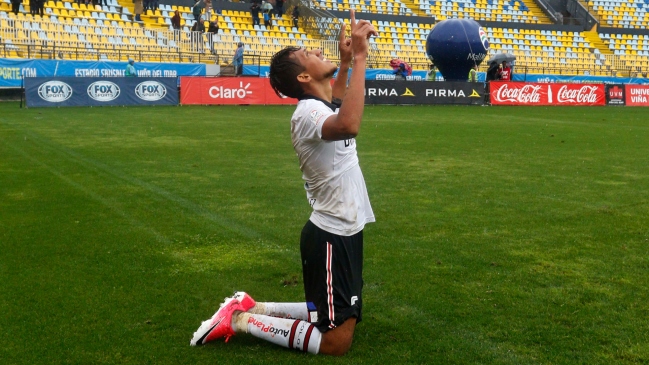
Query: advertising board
229, 91
615, 94
423, 92
99, 91
521, 93
14, 70
637, 95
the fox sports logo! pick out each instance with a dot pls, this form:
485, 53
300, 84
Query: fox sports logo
55, 91
150, 91
103, 91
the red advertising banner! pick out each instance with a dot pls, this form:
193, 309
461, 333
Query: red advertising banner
229, 91
522, 93
637, 95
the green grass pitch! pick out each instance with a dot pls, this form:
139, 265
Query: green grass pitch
504, 235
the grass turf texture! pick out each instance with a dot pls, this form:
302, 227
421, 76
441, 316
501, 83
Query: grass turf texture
503, 235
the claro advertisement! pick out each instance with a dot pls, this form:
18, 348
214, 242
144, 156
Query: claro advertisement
229, 90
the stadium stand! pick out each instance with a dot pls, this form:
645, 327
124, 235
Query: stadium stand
622, 14
486, 10
632, 50
76, 31
366, 6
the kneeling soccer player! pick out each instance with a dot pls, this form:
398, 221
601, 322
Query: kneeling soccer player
323, 128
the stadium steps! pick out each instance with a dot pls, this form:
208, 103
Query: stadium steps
148, 20
410, 4
593, 37
151, 21
590, 9
537, 12
127, 4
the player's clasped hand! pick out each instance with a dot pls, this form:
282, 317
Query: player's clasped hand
362, 30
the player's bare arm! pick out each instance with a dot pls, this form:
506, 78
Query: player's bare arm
345, 49
347, 122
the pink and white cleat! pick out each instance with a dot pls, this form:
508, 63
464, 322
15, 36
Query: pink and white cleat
220, 325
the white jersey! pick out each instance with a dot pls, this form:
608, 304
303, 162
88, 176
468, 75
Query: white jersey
334, 183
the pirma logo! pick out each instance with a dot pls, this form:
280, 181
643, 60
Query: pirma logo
55, 91
103, 91
408, 93
150, 91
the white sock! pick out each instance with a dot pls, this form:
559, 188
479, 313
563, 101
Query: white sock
289, 333
283, 310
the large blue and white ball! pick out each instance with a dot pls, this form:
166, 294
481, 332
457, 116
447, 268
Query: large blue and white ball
455, 46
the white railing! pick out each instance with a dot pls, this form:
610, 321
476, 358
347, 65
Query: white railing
107, 36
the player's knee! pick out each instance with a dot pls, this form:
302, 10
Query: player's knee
338, 341
335, 345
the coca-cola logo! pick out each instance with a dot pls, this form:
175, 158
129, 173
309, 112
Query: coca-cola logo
586, 94
524, 94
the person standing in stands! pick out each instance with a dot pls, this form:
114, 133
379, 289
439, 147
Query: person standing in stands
254, 11
506, 72
175, 20
139, 8
295, 16
175, 23
199, 26
130, 69
237, 60
15, 6
267, 10
197, 9
473, 74
40, 7
279, 8
213, 27
208, 9
267, 22
212, 30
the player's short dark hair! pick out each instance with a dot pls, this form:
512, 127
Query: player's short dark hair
284, 69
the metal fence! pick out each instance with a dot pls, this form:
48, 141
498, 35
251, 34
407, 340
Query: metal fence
65, 52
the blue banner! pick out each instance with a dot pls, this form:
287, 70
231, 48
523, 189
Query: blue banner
12, 70
370, 74
100, 91
581, 79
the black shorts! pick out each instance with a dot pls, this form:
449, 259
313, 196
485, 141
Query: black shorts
332, 269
